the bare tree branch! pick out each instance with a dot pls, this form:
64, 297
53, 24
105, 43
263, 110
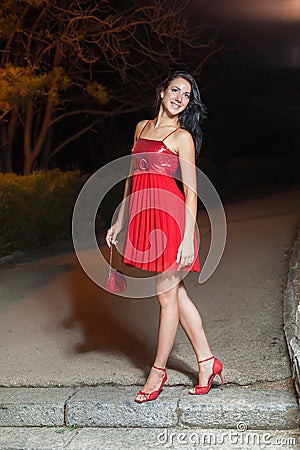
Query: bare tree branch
125, 45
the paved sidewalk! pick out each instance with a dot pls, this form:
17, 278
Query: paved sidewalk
86, 352
104, 418
150, 439
58, 328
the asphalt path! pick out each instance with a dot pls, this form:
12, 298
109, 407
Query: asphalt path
58, 328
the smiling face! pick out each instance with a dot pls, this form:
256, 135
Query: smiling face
176, 96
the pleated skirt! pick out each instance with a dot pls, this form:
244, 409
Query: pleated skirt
155, 224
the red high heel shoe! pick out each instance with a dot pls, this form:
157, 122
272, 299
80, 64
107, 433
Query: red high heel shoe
153, 395
216, 370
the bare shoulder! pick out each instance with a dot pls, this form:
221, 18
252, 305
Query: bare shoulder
140, 125
184, 136
184, 142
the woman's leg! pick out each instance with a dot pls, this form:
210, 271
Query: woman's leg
191, 322
168, 324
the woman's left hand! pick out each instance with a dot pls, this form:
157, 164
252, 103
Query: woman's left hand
185, 254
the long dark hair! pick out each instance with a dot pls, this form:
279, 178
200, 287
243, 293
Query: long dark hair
191, 118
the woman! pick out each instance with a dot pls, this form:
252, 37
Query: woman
160, 145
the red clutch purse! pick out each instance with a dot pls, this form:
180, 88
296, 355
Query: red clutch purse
115, 282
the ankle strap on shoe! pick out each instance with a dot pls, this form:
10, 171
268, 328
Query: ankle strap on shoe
158, 368
207, 359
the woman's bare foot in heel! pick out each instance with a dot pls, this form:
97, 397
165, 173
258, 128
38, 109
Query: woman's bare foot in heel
205, 371
155, 381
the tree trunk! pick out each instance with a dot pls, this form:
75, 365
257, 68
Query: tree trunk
7, 138
28, 153
45, 153
32, 150
6, 158
28, 165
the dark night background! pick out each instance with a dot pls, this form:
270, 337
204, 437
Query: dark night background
250, 89
254, 107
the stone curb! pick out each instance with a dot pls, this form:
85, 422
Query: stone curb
33, 406
112, 406
291, 312
152, 438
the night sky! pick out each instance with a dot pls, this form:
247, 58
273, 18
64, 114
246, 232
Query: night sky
250, 89
254, 104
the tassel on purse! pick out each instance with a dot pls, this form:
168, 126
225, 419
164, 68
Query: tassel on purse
115, 282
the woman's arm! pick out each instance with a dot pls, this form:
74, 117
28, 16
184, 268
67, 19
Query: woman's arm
186, 153
115, 229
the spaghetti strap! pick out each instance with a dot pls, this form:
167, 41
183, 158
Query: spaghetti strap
143, 128
170, 134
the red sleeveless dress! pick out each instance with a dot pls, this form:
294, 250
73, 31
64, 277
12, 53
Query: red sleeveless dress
156, 211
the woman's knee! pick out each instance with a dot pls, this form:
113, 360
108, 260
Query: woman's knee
168, 299
182, 293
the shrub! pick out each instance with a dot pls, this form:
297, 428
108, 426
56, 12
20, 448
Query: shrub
36, 209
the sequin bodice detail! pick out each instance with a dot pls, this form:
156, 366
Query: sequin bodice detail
153, 156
